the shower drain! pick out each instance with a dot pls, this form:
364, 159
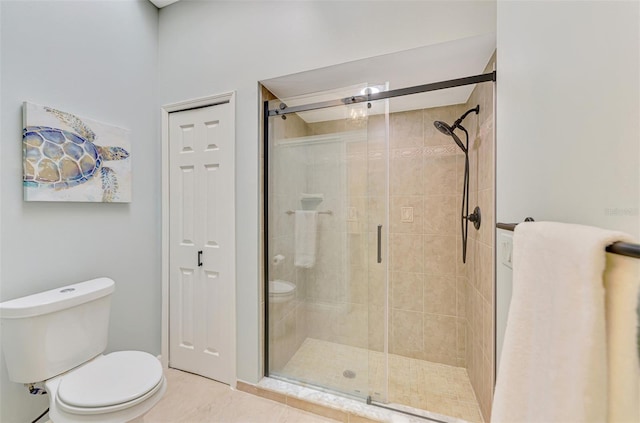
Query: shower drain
349, 374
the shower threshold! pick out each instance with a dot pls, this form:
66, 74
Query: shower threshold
410, 411
317, 397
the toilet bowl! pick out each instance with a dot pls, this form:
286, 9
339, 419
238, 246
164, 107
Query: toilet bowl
281, 291
59, 337
111, 388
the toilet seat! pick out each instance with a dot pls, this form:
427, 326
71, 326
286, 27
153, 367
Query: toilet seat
110, 383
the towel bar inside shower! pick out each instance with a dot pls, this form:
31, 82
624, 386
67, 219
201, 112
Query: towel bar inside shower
622, 248
320, 212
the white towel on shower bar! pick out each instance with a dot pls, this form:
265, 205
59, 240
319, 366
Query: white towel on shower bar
569, 351
305, 238
622, 281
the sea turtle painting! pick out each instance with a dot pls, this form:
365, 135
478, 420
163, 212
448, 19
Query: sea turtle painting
57, 159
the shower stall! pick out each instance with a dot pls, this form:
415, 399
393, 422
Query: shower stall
367, 294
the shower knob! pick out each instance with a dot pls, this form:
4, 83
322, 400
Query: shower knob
475, 217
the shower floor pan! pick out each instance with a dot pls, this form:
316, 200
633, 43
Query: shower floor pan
414, 383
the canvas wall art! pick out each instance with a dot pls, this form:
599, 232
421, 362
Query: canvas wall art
71, 158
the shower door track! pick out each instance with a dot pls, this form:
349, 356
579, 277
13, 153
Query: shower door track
452, 83
398, 410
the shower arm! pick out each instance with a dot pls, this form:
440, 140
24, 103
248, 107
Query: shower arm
457, 123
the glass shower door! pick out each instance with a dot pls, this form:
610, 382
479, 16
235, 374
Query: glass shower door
377, 197
322, 244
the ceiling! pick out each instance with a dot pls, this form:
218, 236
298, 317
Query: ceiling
162, 3
423, 65
408, 68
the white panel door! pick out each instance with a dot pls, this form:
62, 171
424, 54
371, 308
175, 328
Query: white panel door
201, 240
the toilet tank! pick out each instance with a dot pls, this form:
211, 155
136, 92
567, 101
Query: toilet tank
46, 334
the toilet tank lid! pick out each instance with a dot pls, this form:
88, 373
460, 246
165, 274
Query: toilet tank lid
56, 299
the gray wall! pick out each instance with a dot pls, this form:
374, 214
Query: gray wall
215, 47
98, 60
569, 113
568, 118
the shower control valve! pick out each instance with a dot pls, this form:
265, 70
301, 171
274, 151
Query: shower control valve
475, 217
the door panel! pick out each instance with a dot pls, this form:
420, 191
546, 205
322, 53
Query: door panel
212, 222
185, 286
187, 206
318, 160
202, 246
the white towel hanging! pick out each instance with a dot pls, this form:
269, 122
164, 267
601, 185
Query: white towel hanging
555, 366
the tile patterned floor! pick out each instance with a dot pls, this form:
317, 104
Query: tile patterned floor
193, 399
415, 383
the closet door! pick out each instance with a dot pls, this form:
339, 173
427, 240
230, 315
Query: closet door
201, 240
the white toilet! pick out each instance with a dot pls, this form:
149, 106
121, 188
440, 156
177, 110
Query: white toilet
281, 291
58, 337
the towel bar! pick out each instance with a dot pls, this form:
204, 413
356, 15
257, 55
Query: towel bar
622, 248
320, 212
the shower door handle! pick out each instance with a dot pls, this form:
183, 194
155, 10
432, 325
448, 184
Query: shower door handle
379, 243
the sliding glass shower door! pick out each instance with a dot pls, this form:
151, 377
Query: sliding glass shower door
380, 283
326, 214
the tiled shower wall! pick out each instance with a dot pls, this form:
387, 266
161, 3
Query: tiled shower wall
427, 317
478, 280
287, 320
330, 303
337, 296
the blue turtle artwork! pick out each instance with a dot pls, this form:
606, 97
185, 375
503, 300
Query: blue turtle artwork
65, 160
